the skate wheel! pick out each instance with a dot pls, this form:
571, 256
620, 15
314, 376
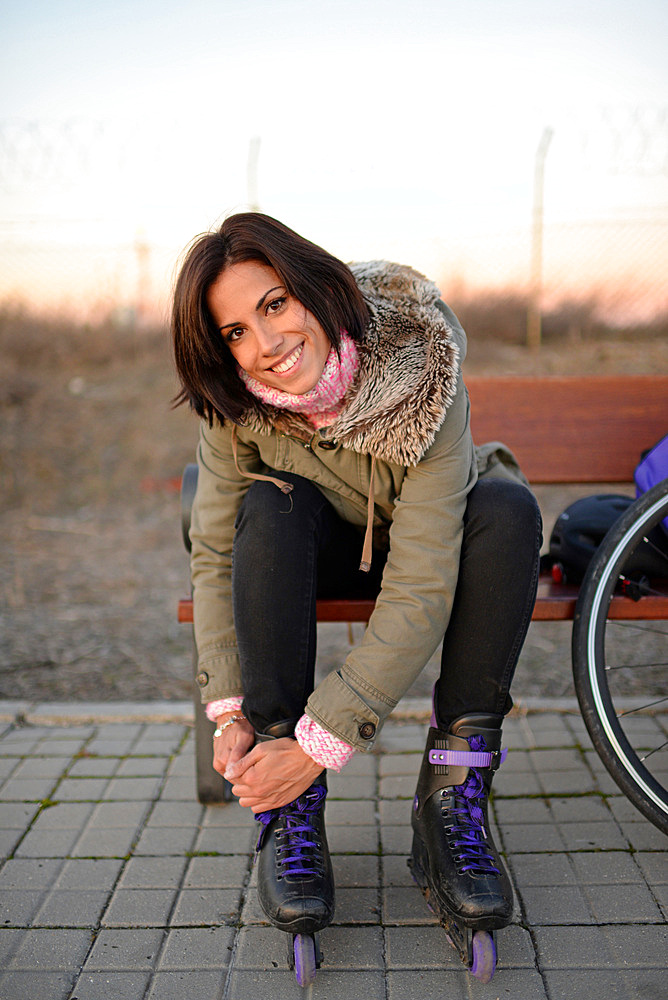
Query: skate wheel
305, 959
483, 956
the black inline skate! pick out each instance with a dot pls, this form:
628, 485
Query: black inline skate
294, 871
454, 859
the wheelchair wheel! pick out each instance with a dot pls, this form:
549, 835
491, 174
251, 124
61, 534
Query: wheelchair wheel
620, 653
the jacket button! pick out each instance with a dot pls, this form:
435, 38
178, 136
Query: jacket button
327, 445
202, 679
367, 730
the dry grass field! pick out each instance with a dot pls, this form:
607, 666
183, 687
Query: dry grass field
93, 562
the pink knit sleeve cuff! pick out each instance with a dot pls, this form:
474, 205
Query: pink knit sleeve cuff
216, 708
321, 745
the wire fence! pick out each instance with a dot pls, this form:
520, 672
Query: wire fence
75, 198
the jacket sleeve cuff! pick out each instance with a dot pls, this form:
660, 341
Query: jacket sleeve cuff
338, 707
222, 705
321, 745
218, 675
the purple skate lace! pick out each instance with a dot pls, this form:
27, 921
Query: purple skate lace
469, 827
296, 858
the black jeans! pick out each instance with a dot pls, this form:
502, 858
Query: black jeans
288, 550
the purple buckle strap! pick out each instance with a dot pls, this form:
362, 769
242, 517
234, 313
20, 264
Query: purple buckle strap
468, 758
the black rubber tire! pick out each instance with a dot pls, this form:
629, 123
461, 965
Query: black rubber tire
645, 788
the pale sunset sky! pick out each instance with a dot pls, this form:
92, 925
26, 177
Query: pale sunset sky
386, 128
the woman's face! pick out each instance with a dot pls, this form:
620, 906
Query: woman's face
270, 334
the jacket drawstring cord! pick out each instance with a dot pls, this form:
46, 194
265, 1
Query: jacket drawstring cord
367, 549
283, 486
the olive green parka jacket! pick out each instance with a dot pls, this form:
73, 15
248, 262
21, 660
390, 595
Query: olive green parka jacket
407, 417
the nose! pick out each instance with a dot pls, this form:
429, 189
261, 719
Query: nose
270, 341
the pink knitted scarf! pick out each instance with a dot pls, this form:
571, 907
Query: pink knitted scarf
321, 404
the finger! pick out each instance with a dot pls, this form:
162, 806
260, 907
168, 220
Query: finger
236, 769
240, 748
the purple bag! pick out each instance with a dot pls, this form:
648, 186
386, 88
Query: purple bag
652, 469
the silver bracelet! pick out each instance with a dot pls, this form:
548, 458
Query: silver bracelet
230, 722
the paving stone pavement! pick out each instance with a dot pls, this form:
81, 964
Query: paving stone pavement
116, 883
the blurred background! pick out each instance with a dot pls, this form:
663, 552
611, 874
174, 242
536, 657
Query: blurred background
515, 151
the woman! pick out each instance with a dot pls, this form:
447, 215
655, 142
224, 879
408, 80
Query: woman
335, 457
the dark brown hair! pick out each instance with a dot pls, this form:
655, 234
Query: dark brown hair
322, 283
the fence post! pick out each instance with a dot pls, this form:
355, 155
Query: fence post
534, 311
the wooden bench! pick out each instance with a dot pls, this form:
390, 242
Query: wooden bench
563, 430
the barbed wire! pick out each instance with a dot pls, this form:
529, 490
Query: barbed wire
40, 152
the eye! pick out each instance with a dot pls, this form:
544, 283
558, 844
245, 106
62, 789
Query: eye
276, 304
234, 334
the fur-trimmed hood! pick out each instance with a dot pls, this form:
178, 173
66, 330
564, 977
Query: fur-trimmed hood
407, 376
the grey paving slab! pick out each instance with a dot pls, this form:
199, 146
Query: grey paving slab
635, 904
50, 950
188, 948
575, 947
533, 837
194, 982
9, 841
168, 814
232, 840
89, 873
41, 767
357, 905
642, 836
167, 840
556, 904
18, 908
607, 868
395, 871
361, 839
125, 949
542, 869
179, 789
95, 767
396, 839
128, 789
119, 985
139, 908
7, 766
47, 844
419, 948
139, 767
64, 816
81, 789
350, 813
205, 907
654, 866
21, 985
72, 908
153, 873
405, 905
225, 872
17, 815
617, 985
355, 871
27, 789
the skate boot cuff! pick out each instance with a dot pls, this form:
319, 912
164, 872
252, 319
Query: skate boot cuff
449, 758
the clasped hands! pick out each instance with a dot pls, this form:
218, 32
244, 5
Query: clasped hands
267, 775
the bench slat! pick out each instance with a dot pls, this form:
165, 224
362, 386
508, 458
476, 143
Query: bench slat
555, 602
572, 429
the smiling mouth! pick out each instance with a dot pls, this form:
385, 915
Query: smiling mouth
289, 362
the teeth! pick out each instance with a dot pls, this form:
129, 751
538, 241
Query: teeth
289, 362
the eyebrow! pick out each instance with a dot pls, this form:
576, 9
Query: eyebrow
258, 306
